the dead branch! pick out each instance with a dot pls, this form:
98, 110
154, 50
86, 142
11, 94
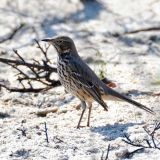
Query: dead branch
23, 90
150, 142
149, 29
143, 30
10, 36
152, 136
43, 51
39, 72
128, 154
56, 140
107, 154
46, 131
27, 64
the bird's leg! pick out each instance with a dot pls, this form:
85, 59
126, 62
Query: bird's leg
83, 105
89, 113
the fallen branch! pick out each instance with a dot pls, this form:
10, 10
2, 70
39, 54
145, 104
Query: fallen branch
27, 64
46, 131
39, 72
150, 142
149, 29
107, 154
23, 90
10, 36
143, 30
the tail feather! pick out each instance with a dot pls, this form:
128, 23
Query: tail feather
125, 98
104, 105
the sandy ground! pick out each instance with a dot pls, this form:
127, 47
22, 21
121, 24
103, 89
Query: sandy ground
131, 60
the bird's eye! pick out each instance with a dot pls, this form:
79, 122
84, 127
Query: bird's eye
59, 41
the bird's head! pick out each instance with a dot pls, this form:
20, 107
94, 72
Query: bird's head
62, 44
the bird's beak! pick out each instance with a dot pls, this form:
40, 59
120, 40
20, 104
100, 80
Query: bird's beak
47, 40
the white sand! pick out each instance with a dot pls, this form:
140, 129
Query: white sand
130, 61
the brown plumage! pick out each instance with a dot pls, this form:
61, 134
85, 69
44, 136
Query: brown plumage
78, 78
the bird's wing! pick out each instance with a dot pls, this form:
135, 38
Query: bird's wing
82, 77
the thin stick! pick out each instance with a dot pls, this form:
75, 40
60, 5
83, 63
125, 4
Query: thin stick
18, 62
108, 149
46, 131
12, 34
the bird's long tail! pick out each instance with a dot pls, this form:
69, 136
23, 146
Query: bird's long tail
125, 98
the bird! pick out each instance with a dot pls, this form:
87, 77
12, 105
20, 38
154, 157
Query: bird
81, 81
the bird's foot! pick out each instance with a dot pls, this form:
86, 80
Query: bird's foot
78, 127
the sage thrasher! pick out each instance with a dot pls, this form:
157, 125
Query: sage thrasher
80, 80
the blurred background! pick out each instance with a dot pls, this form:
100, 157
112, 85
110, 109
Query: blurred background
92, 21
114, 32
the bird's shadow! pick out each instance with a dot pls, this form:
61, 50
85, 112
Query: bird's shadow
112, 132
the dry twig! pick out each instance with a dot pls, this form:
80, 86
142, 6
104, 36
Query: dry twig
39, 72
150, 142
107, 154
149, 29
46, 131
10, 36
